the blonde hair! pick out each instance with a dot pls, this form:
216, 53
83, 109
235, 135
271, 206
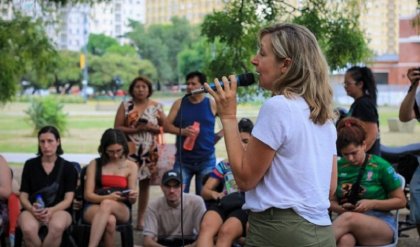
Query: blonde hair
307, 75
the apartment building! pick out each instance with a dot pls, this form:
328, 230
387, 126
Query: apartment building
161, 11
69, 27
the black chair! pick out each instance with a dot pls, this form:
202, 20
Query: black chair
3, 240
81, 229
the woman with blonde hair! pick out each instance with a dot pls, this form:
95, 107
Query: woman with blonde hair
288, 169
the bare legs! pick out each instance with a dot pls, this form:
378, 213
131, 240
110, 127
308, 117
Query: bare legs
367, 230
58, 223
212, 225
104, 219
144, 186
208, 229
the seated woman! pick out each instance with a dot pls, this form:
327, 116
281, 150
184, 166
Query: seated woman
117, 174
5, 191
226, 225
364, 211
39, 177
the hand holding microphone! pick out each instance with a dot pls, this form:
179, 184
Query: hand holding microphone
224, 93
242, 80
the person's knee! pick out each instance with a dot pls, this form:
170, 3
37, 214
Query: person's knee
27, 226
229, 231
347, 218
56, 228
106, 206
346, 240
206, 226
111, 224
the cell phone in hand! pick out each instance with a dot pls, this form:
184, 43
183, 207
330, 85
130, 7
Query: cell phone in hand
142, 121
125, 193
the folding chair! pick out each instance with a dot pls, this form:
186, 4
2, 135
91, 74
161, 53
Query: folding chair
395, 242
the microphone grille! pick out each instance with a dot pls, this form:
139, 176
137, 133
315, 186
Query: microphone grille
246, 79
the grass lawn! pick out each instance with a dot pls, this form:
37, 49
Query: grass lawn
86, 123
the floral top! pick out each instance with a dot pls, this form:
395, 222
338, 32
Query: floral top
146, 142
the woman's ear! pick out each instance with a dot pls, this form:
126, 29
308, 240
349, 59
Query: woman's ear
364, 146
285, 65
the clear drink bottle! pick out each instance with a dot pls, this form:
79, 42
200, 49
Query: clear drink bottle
39, 201
190, 140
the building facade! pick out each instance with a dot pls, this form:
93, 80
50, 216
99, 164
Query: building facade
161, 11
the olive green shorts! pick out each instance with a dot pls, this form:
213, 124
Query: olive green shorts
283, 227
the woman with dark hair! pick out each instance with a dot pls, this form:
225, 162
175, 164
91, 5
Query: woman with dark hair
360, 84
39, 173
117, 175
227, 224
364, 211
140, 119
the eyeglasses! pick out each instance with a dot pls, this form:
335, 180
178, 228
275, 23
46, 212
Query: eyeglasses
349, 83
113, 152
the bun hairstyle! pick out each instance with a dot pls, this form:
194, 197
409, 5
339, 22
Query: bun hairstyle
350, 131
245, 125
365, 75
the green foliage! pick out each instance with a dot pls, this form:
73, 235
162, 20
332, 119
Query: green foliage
24, 50
161, 44
103, 70
47, 111
99, 43
124, 50
338, 33
236, 29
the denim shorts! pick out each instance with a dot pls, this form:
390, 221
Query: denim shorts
388, 217
415, 197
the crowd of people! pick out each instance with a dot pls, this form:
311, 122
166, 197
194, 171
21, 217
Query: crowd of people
282, 180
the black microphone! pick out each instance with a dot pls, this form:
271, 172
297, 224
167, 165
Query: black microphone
243, 80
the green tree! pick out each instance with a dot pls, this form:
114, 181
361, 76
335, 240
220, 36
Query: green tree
339, 34
24, 50
151, 48
67, 73
104, 70
99, 43
161, 44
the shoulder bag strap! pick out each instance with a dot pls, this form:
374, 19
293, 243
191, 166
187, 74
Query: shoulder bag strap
60, 169
98, 173
355, 188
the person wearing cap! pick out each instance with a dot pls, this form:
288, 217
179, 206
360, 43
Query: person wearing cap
162, 219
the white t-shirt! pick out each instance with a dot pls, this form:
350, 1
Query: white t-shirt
300, 173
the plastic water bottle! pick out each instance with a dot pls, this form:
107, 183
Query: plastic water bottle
230, 183
190, 140
39, 201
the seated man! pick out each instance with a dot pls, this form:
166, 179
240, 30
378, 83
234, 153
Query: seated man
163, 215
